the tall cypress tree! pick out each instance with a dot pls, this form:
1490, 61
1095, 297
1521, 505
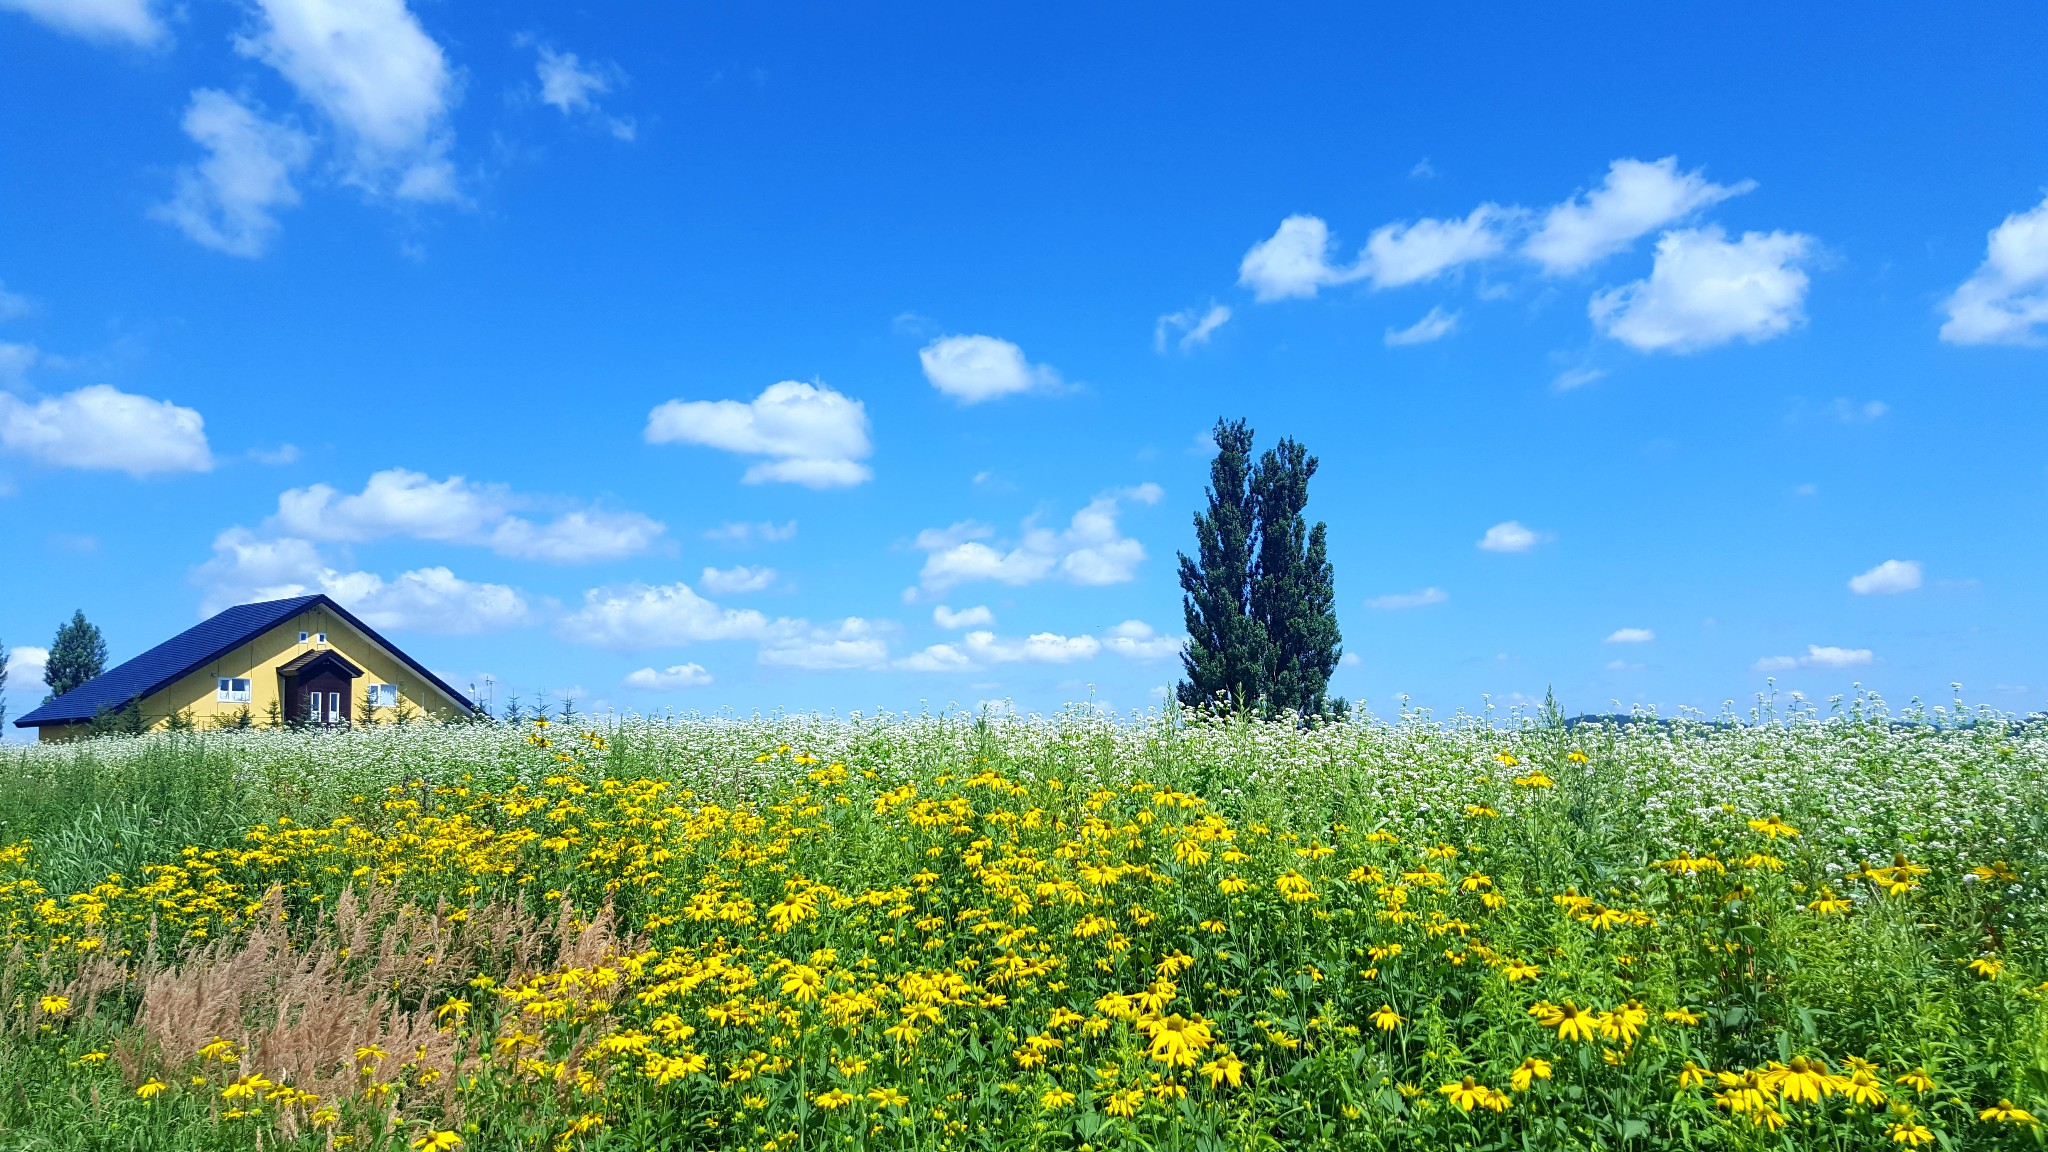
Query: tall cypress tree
78, 654
1226, 650
1260, 594
1294, 590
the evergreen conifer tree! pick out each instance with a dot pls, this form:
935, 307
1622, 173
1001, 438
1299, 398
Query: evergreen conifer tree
1260, 594
1226, 650
1294, 589
78, 654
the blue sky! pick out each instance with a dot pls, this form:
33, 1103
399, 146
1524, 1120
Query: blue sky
811, 357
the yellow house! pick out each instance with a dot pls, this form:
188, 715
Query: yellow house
306, 661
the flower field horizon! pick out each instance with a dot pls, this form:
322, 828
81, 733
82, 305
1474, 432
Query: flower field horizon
1079, 931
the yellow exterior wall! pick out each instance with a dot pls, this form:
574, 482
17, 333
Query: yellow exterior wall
258, 661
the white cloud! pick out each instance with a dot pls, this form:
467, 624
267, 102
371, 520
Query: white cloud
1397, 254
1577, 378
229, 200
662, 616
1510, 536
814, 436
25, 665
1294, 261
1135, 640
246, 567
1637, 198
14, 304
972, 369
577, 537
2006, 300
739, 532
1195, 326
377, 75
937, 658
99, 427
1397, 601
400, 502
131, 20
1091, 551
1622, 666
1704, 290
1434, 326
736, 580
852, 643
1817, 656
567, 84
1037, 648
976, 617
16, 360
1630, 636
1887, 579
670, 679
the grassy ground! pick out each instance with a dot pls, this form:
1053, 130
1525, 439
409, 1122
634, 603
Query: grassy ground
1777, 931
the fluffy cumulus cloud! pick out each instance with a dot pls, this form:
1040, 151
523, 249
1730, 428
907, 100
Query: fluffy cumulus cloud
1297, 259
1637, 198
740, 578
1630, 636
247, 567
25, 665
400, 502
1817, 656
1136, 640
229, 200
571, 86
2006, 300
976, 617
102, 428
669, 679
1400, 601
1887, 579
1436, 325
1189, 327
129, 21
1092, 550
1037, 648
639, 616
376, 75
973, 369
1706, 290
850, 644
1510, 536
810, 434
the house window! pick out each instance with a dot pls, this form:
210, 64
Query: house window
319, 637
233, 690
305, 636
383, 695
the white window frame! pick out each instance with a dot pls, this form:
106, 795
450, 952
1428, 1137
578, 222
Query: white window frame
319, 637
305, 636
232, 689
383, 695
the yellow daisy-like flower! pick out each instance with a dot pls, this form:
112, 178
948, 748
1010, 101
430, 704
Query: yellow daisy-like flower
437, 1140
832, 1100
1909, 1134
1918, 1080
2006, 1112
1386, 1019
1531, 1070
151, 1088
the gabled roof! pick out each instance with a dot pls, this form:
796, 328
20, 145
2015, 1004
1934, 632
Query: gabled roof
193, 649
318, 656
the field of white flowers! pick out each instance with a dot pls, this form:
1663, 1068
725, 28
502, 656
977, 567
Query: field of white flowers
1775, 929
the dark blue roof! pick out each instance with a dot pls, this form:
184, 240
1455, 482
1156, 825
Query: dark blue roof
191, 650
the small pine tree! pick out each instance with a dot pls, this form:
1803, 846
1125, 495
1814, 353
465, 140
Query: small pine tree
512, 713
180, 721
273, 713
366, 708
78, 654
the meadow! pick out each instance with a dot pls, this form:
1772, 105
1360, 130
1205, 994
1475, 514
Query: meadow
1775, 930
